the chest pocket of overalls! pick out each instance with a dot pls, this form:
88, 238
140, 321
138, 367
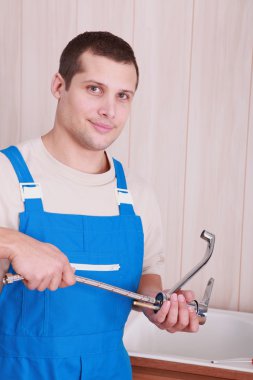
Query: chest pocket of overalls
110, 255
82, 309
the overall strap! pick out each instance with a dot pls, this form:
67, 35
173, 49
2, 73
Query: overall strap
123, 196
30, 191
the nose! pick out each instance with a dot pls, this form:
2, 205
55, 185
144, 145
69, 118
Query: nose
107, 107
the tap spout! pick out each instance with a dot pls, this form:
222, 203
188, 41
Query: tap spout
210, 238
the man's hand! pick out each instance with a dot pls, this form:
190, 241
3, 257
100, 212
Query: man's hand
41, 264
175, 315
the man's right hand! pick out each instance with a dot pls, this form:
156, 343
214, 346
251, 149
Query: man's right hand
41, 264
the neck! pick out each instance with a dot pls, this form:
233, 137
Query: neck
75, 156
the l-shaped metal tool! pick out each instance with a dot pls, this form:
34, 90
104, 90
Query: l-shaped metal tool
151, 302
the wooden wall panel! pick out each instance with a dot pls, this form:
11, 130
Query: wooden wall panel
10, 36
189, 134
47, 27
218, 122
246, 278
159, 122
116, 17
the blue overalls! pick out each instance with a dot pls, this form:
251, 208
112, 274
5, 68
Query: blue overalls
76, 332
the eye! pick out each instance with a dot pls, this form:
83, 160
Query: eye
95, 89
123, 96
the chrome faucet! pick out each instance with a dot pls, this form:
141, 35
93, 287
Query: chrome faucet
200, 307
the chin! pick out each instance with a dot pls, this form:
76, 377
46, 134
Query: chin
97, 146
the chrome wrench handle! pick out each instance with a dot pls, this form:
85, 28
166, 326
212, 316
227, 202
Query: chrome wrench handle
139, 299
9, 278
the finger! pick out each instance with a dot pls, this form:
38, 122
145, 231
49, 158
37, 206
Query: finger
188, 294
193, 321
43, 285
183, 313
172, 316
29, 284
32, 284
55, 282
68, 277
159, 317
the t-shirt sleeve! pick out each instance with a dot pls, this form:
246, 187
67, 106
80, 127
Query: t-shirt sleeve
153, 262
147, 207
10, 197
9, 202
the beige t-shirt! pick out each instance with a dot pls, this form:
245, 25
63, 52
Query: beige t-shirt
69, 191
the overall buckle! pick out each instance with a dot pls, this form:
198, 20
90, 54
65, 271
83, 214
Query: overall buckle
30, 190
123, 196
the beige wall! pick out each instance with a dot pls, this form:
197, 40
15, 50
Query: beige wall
191, 130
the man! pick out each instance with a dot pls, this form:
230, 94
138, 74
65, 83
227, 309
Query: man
76, 212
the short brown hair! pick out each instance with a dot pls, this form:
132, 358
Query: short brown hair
99, 43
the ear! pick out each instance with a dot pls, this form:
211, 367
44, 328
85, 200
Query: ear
57, 85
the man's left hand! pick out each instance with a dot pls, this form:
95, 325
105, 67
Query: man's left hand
175, 314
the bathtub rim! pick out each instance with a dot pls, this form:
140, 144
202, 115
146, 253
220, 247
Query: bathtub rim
145, 364
243, 367
192, 362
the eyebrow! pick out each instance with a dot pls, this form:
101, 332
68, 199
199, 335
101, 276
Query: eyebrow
102, 84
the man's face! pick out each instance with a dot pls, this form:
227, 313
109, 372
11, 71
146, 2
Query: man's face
94, 110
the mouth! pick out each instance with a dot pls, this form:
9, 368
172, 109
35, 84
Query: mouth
101, 127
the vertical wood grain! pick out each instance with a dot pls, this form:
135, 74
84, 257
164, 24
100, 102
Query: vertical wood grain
116, 17
191, 130
162, 42
10, 63
47, 27
246, 278
218, 122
